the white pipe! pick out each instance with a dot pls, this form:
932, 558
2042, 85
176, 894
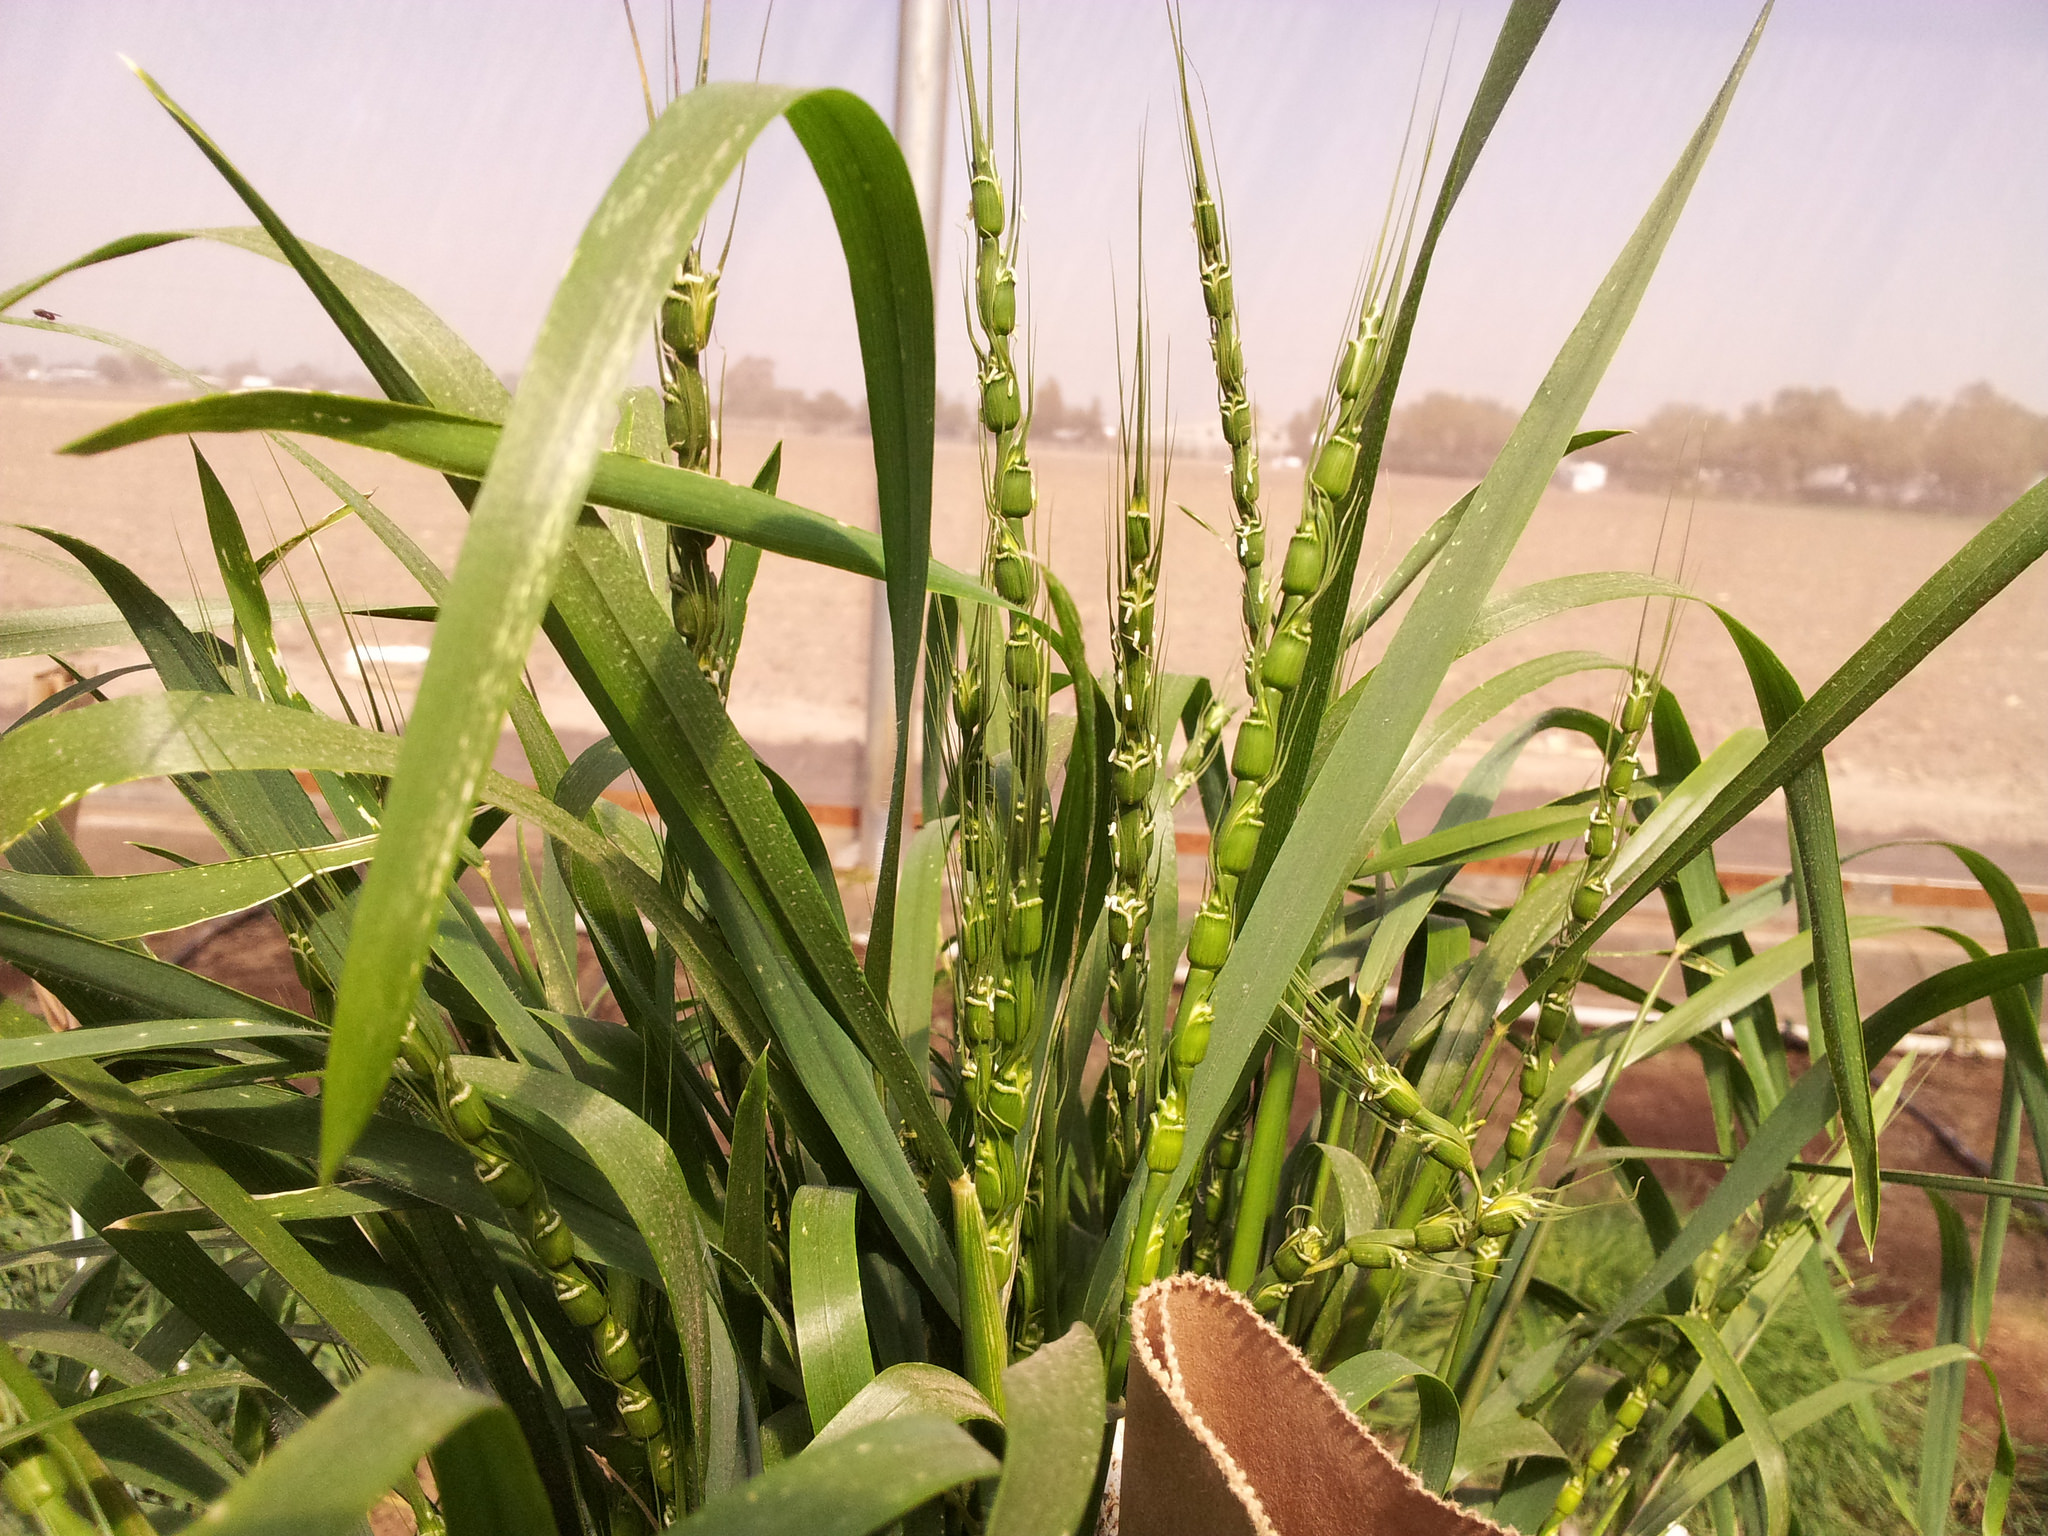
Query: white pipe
922, 52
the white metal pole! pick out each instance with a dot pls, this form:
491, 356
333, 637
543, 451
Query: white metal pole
922, 51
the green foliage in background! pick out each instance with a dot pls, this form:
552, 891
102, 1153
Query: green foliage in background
785, 1227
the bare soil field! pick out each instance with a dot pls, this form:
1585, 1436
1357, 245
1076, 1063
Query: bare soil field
1956, 751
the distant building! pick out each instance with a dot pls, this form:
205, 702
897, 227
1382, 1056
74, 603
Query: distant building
1199, 435
1584, 475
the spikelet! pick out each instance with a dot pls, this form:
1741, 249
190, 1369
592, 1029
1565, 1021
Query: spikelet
1002, 692
1136, 763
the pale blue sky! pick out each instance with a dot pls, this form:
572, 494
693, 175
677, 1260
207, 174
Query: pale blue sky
1875, 218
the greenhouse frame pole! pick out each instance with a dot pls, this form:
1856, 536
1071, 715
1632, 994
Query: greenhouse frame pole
922, 53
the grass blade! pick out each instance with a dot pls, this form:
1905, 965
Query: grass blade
1054, 1444
1458, 721
94, 1185
390, 375
113, 1507
1979, 571
121, 1039
55, 1334
317, 1203
1767, 1451
444, 367
56, 760
1540, 600
1494, 837
522, 517
326, 1478
464, 447
1723, 997
87, 626
1355, 1188
162, 901
1520, 32
716, 799
842, 1085
1804, 1110
919, 913
984, 1342
2004, 1461
125, 983
906, 1389
850, 1486
1943, 1426
1810, 810
1075, 875
1698, 1481
113, 250
874, 205
745, 1236
2005, 1157
825, 1301
145, 1392
243, 581
1425, 548
262, 812
123, 1112
1364, 1377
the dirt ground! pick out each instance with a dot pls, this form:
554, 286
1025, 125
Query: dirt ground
1955, 751
1832, 578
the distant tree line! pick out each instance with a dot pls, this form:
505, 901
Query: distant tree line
1052, 419
1971, 454
119, 370
750, 393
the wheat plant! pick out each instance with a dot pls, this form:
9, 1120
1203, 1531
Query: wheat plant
795, 1232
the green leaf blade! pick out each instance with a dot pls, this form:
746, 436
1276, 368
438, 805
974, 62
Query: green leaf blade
558, 424
1364, 1377
850, 1486
1053, 1404
323, 1480
825, 1301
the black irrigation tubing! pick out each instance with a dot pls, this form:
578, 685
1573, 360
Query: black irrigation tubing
193, 948
1957, 1148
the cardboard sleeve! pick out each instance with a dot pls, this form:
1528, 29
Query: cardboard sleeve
1229, 1431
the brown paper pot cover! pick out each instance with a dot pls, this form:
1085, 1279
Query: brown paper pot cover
1230, 1432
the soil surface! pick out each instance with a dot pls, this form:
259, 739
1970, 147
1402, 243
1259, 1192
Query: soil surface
1955, 750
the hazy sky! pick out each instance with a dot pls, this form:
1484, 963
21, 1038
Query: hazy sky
1875, 217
